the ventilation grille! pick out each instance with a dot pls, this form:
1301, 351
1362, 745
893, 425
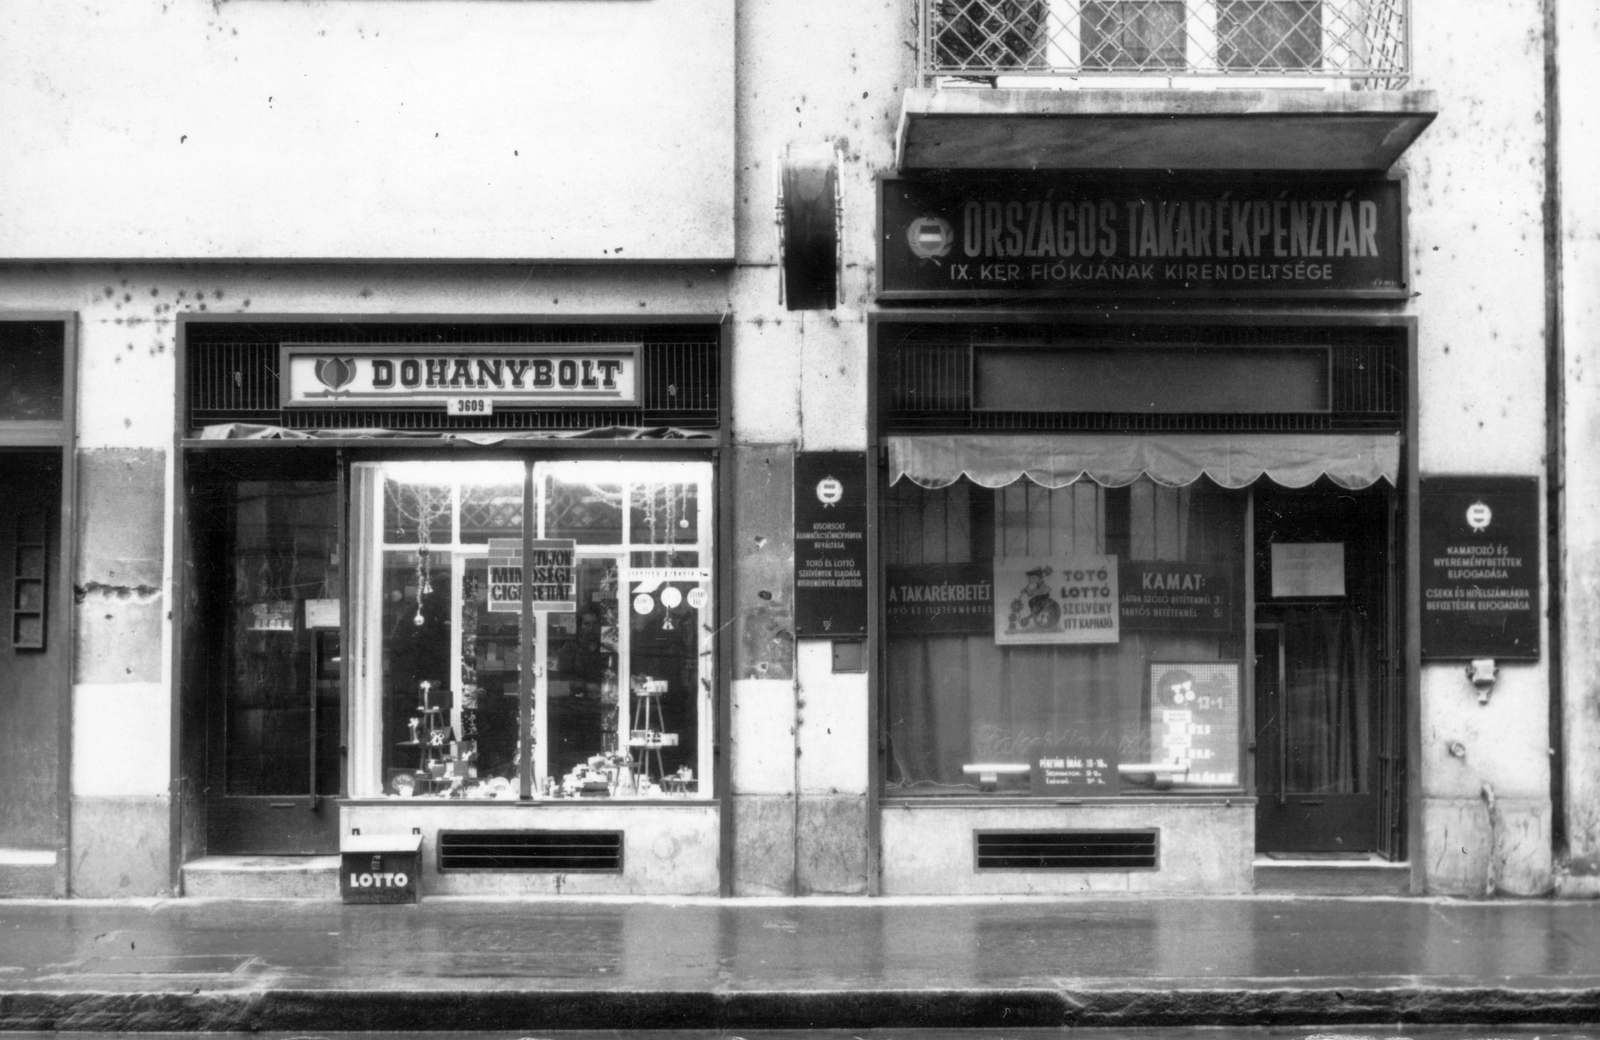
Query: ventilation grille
565, 851
233, 375
925, 375
1067, 850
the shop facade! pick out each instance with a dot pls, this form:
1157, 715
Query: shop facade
1050, 502
491, 627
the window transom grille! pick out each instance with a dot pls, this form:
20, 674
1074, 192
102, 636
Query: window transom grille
1363, 42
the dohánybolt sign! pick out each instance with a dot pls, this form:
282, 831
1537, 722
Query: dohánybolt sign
830, 544
1480, 567
1040, 234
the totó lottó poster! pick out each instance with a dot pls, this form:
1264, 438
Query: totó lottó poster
1055, 599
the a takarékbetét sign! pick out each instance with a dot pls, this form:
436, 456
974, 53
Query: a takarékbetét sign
337, 375
1042, 234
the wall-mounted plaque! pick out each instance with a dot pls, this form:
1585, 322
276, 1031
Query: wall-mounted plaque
1026, 235
830, 544
1480, 567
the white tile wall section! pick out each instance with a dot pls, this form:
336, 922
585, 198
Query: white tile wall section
763, 736
833, 723
121, 739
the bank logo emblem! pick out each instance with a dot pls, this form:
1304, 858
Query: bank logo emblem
930, 237
1479, 515
336, 373
829, 491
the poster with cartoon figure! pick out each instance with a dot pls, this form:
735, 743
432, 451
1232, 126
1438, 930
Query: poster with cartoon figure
1055, 599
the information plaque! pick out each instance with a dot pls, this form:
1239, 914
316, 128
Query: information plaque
830, 544
1480, 568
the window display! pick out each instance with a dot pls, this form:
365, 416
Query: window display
532, 629
1037, 637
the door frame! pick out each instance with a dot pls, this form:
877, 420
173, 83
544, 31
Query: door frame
61, 435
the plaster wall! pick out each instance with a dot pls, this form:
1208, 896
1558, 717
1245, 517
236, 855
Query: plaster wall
1476, 196
930, 850
186, 129
1578, 68
667, 849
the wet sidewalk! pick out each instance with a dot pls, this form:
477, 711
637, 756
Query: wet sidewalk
459, 964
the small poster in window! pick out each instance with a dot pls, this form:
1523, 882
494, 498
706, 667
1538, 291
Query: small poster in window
1307, 569
1055, 599
322, 613
1194, 723
1074, 772
273, 616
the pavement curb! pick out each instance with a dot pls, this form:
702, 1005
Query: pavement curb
477, 1009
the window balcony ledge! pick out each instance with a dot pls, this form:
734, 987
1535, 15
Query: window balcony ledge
1162, 129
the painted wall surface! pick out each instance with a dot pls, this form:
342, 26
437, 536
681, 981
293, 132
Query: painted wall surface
186, 129
929, 850
1476, 193
667, 850
1579, 129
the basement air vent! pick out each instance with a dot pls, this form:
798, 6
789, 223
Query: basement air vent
1067, 850
565, 851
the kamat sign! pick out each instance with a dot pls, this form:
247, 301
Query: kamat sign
986, 237
332, 375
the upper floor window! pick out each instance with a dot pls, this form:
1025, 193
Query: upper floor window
1355, 41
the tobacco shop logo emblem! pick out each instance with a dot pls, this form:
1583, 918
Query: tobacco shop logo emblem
930, 237
336, 373
1479, 515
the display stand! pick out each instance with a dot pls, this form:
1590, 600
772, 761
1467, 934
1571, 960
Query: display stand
646, 739
443, 763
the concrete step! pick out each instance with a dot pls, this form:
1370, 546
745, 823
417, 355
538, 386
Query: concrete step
27, 873
262, 877
1371, 876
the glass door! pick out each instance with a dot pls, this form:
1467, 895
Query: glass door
269, 607
1322, 644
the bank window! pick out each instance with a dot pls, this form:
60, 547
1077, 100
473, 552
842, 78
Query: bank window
1075, 641
532, 630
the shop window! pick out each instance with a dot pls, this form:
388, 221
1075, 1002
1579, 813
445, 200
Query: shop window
606, 695
1072, 641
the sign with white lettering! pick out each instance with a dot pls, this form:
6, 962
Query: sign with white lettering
1480, 568
1041, 234
1167, 596
467, 379
939, 599
1056, 599
830, 544
1073, 771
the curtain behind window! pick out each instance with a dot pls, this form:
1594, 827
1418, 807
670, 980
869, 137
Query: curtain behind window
960, 699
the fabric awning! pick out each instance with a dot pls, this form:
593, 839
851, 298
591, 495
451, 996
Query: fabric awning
1233, 460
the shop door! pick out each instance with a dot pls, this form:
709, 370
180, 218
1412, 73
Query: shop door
1321, 669
32, 663
272, 614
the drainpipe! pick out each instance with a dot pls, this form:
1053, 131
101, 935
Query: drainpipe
1555, 433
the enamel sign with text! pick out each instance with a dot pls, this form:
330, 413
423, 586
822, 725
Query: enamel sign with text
466, 379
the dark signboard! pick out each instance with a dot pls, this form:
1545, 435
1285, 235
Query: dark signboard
940, 599
950, 236
1480, 567
830, 544
1176, 597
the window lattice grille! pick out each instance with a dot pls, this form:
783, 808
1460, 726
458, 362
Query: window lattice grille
1363, 41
